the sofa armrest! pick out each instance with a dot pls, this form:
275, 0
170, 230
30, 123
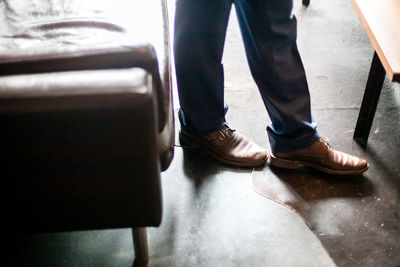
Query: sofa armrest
78, 147
90, 58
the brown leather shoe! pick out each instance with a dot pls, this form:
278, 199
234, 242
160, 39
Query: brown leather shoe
322, 157
227, 146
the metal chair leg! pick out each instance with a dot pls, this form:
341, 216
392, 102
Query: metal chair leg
140, 246
370, 101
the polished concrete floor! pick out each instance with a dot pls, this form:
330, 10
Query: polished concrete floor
215, 215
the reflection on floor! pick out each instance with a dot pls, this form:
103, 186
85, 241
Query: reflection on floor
212, 215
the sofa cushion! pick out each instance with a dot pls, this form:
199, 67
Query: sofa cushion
53, 33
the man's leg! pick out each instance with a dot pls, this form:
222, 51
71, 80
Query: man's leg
200, 29
269, 33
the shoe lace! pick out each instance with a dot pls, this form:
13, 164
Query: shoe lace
325, 141
224, 132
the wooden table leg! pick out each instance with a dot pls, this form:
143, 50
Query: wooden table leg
370, 101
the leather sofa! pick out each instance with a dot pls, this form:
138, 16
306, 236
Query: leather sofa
86, 115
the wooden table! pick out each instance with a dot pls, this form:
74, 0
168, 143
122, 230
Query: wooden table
381, 21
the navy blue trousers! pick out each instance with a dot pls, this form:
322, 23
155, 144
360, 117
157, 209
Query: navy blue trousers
269, 32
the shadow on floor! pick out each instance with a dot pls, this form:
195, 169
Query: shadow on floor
355, 217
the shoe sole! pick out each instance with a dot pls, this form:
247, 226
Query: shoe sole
294, 164
188, 142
